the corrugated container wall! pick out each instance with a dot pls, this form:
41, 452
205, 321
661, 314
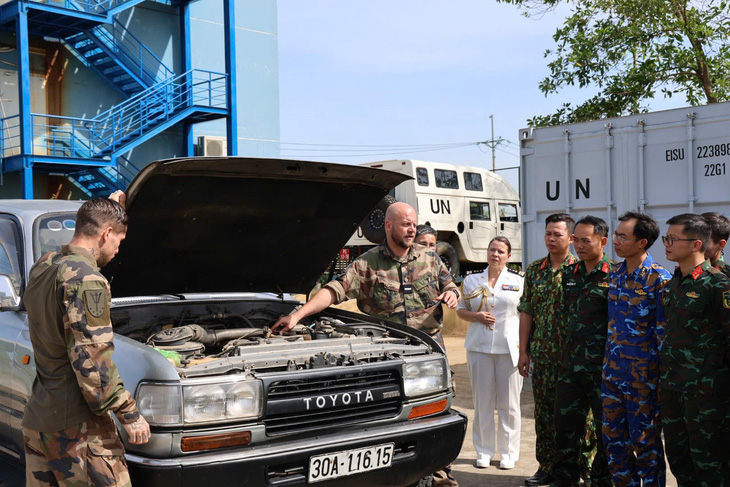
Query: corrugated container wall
662, 163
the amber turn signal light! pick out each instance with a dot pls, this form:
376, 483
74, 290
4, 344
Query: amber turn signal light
428, 409
212, 442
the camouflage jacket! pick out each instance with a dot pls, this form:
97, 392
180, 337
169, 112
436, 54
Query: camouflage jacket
694, 354
400, 289
635, 324
722, 266
586, 306
68, 300
543, 300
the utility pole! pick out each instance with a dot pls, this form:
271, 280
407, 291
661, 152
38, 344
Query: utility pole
493, 143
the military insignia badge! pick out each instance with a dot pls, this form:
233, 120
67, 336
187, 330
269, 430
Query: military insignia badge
510, 287
641, 292
603, 284
95, 302
693, 295
726, 299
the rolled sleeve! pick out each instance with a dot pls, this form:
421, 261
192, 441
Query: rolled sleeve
347, 285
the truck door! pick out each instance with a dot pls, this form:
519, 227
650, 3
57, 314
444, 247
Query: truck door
482, 224
509, 223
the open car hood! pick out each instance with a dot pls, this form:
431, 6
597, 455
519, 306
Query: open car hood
234, 224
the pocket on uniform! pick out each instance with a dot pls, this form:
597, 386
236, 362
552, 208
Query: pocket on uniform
427, 290
385, 293
105, 463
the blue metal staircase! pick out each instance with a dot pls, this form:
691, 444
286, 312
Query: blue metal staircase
90, 150
118, 56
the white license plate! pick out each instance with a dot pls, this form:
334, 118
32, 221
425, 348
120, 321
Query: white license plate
349, 462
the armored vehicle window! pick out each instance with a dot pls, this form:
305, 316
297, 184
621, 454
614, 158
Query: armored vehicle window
473, 181
422, 176
508, 212
10, 248
479, 211
53, 230
446, 179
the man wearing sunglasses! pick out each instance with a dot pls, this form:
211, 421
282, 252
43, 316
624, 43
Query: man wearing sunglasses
695, 377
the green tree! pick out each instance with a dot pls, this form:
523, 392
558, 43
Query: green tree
633, 50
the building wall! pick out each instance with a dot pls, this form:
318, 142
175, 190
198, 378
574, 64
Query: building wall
71, 89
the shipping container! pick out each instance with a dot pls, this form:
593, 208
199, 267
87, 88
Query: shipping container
662, 163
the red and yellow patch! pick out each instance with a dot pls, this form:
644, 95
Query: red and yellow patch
693, 295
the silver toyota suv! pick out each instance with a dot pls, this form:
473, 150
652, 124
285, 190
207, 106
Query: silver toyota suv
214, 245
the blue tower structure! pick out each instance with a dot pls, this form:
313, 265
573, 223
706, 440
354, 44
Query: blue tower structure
103, 87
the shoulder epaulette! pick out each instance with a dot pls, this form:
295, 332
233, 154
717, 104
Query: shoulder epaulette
514, 271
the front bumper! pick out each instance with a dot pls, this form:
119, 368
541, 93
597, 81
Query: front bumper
421, 447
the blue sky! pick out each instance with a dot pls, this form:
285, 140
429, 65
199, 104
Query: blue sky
414, 73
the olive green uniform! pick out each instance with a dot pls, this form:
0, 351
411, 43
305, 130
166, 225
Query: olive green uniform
695, 377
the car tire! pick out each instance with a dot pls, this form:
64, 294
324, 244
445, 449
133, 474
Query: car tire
424, 482
373, 226
449, 257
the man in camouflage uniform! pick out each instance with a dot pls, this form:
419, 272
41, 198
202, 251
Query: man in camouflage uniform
585, 288
695, 377
70, 436
720, 226
542, 332
395, 281
631, 419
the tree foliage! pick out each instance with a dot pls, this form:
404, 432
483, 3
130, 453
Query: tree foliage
633, 50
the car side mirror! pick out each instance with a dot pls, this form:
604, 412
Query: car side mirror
9, 298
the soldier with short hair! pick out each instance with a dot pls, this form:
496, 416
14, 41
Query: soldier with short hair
395, 281
542, 334
694, 364
631, 418
720, 226
70, 436
585, 288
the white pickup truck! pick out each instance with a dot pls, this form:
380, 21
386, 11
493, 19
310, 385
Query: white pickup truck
468, 206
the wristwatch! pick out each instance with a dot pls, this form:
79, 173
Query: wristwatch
455, 291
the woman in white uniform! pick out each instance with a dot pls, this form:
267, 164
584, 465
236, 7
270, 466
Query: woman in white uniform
489, 304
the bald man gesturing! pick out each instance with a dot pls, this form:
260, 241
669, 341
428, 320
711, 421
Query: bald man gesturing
395, 281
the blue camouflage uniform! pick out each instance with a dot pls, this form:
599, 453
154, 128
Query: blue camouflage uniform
631, 414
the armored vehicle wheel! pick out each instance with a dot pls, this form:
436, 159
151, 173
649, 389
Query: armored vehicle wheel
449, 257
373, 226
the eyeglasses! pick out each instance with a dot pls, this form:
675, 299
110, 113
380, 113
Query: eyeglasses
622, 238
669, 241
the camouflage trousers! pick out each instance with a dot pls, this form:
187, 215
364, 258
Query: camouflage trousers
88, 454
632, 435
544, 381
696, 438
578, 393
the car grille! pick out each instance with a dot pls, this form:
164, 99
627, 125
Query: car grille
286, 400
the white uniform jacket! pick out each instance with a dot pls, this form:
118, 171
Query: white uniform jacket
501, 301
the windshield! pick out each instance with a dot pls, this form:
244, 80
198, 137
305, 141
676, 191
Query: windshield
51, 231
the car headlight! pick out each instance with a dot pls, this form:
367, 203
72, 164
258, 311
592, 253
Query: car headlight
209, 402
160, 404
206, 403
422, 377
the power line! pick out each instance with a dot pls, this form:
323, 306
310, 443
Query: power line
395, 152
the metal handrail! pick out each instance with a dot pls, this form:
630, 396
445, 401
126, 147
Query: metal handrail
90, 6
133, 53
116, 126
105, 133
